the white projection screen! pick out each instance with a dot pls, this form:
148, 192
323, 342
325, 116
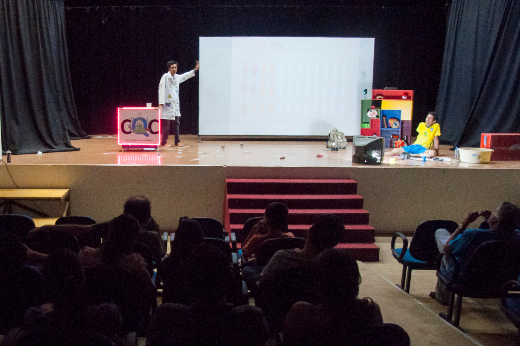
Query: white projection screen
283, 86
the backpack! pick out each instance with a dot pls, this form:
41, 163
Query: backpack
338, 138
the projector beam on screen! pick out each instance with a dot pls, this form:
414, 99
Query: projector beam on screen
283, 86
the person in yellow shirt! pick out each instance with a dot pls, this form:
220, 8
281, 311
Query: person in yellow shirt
427, 142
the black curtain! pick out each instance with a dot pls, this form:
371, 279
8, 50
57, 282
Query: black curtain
37, 105
119, 51
479, 90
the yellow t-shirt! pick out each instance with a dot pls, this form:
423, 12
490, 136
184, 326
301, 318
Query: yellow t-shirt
426, 134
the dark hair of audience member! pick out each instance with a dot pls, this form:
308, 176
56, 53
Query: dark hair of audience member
337, 278
276, 214
105, 319
121, 238
12, 255
210, 273
187, 236
64, 280
139, 207
64, 287
326, 232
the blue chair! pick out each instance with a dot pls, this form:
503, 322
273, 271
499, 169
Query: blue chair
75, 220
17, 224
490, 266
242, 234
212, 228
422, 252
510, 304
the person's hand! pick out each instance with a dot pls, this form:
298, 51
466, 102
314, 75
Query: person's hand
485, 214
471, 217
197, 66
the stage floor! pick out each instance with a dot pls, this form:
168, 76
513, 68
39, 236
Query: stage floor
190, 181
103, 150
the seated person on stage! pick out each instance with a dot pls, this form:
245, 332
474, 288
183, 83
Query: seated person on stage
337, 285
503, 225
326, 233
427, 137
273, 225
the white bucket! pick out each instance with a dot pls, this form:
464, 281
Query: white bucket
475, 155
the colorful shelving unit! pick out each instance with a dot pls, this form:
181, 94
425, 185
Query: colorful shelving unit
388, 114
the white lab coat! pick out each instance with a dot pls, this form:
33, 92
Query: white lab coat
169, 93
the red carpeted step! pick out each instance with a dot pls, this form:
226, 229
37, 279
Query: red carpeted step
353, 233
304, 216
295, 201
361, 252
291, 186
306, 199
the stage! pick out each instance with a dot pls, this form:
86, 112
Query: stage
190, 180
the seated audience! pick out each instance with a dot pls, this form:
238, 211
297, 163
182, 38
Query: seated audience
337, 282
326, 233
273, 225
20, 285
211, 319
61, 320
149, 232
118, 250
137, 206
503, 225
172, 270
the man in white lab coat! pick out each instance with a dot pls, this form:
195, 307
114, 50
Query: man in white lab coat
169, 99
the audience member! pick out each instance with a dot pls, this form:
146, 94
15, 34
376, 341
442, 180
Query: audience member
20, 285
326, 233
149, 233
211, 319
337, 282
61, 320
503, 225
119, 250
172, 270
105, 319
136, 206
273, 225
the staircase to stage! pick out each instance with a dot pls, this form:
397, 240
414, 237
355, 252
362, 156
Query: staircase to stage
306, 199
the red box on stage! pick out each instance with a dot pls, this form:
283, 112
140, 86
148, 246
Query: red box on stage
138, 127
374, 130
506, 146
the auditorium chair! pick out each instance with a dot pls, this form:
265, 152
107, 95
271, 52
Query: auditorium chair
268, 248
17, 224
241, 234
212, 228
75, 220
358, 334
276, 295
510, 304
265, 252
110, 284
489, 268
46, 239
422, 252
224, 247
